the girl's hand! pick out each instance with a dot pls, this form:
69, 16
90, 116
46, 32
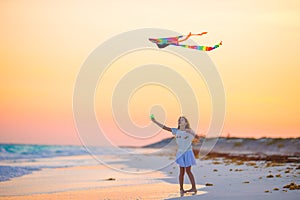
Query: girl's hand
159, 124
152, 118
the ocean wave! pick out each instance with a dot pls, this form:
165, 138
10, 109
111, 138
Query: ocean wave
8, 172
20, 159
13, 157
26, 151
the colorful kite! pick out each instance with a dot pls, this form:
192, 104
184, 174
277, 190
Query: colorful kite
164, 42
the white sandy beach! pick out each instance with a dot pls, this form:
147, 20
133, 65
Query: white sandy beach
88, 179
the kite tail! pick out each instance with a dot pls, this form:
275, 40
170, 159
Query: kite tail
201, 48
216, 46
199, 34
189, 35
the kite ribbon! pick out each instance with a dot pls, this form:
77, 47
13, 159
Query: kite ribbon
202, 48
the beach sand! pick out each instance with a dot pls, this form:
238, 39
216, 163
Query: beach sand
216, 178
144, 191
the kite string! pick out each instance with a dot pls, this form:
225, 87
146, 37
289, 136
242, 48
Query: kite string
190, 34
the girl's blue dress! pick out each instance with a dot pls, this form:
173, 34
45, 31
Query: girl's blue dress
184, 156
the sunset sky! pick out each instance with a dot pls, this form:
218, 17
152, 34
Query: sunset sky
44, 43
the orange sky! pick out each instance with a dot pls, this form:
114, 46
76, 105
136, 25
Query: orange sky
44, 43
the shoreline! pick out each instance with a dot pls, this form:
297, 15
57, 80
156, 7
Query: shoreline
218, 176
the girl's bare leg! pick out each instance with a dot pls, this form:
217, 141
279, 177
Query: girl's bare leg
181, 177
192, 179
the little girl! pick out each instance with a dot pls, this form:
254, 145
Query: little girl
184, 157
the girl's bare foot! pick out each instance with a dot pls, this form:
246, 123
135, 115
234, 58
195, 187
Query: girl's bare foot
193, 190
182, 192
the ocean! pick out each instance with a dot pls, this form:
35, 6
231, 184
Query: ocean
21, 159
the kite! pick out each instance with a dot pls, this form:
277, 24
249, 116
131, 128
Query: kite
164, 42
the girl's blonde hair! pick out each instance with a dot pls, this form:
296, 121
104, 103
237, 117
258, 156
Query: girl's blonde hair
187, 126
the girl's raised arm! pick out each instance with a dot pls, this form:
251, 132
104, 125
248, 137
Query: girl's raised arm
161, 125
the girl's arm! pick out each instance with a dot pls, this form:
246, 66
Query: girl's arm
161, 125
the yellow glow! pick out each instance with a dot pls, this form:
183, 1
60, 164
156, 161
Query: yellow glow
44, 43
